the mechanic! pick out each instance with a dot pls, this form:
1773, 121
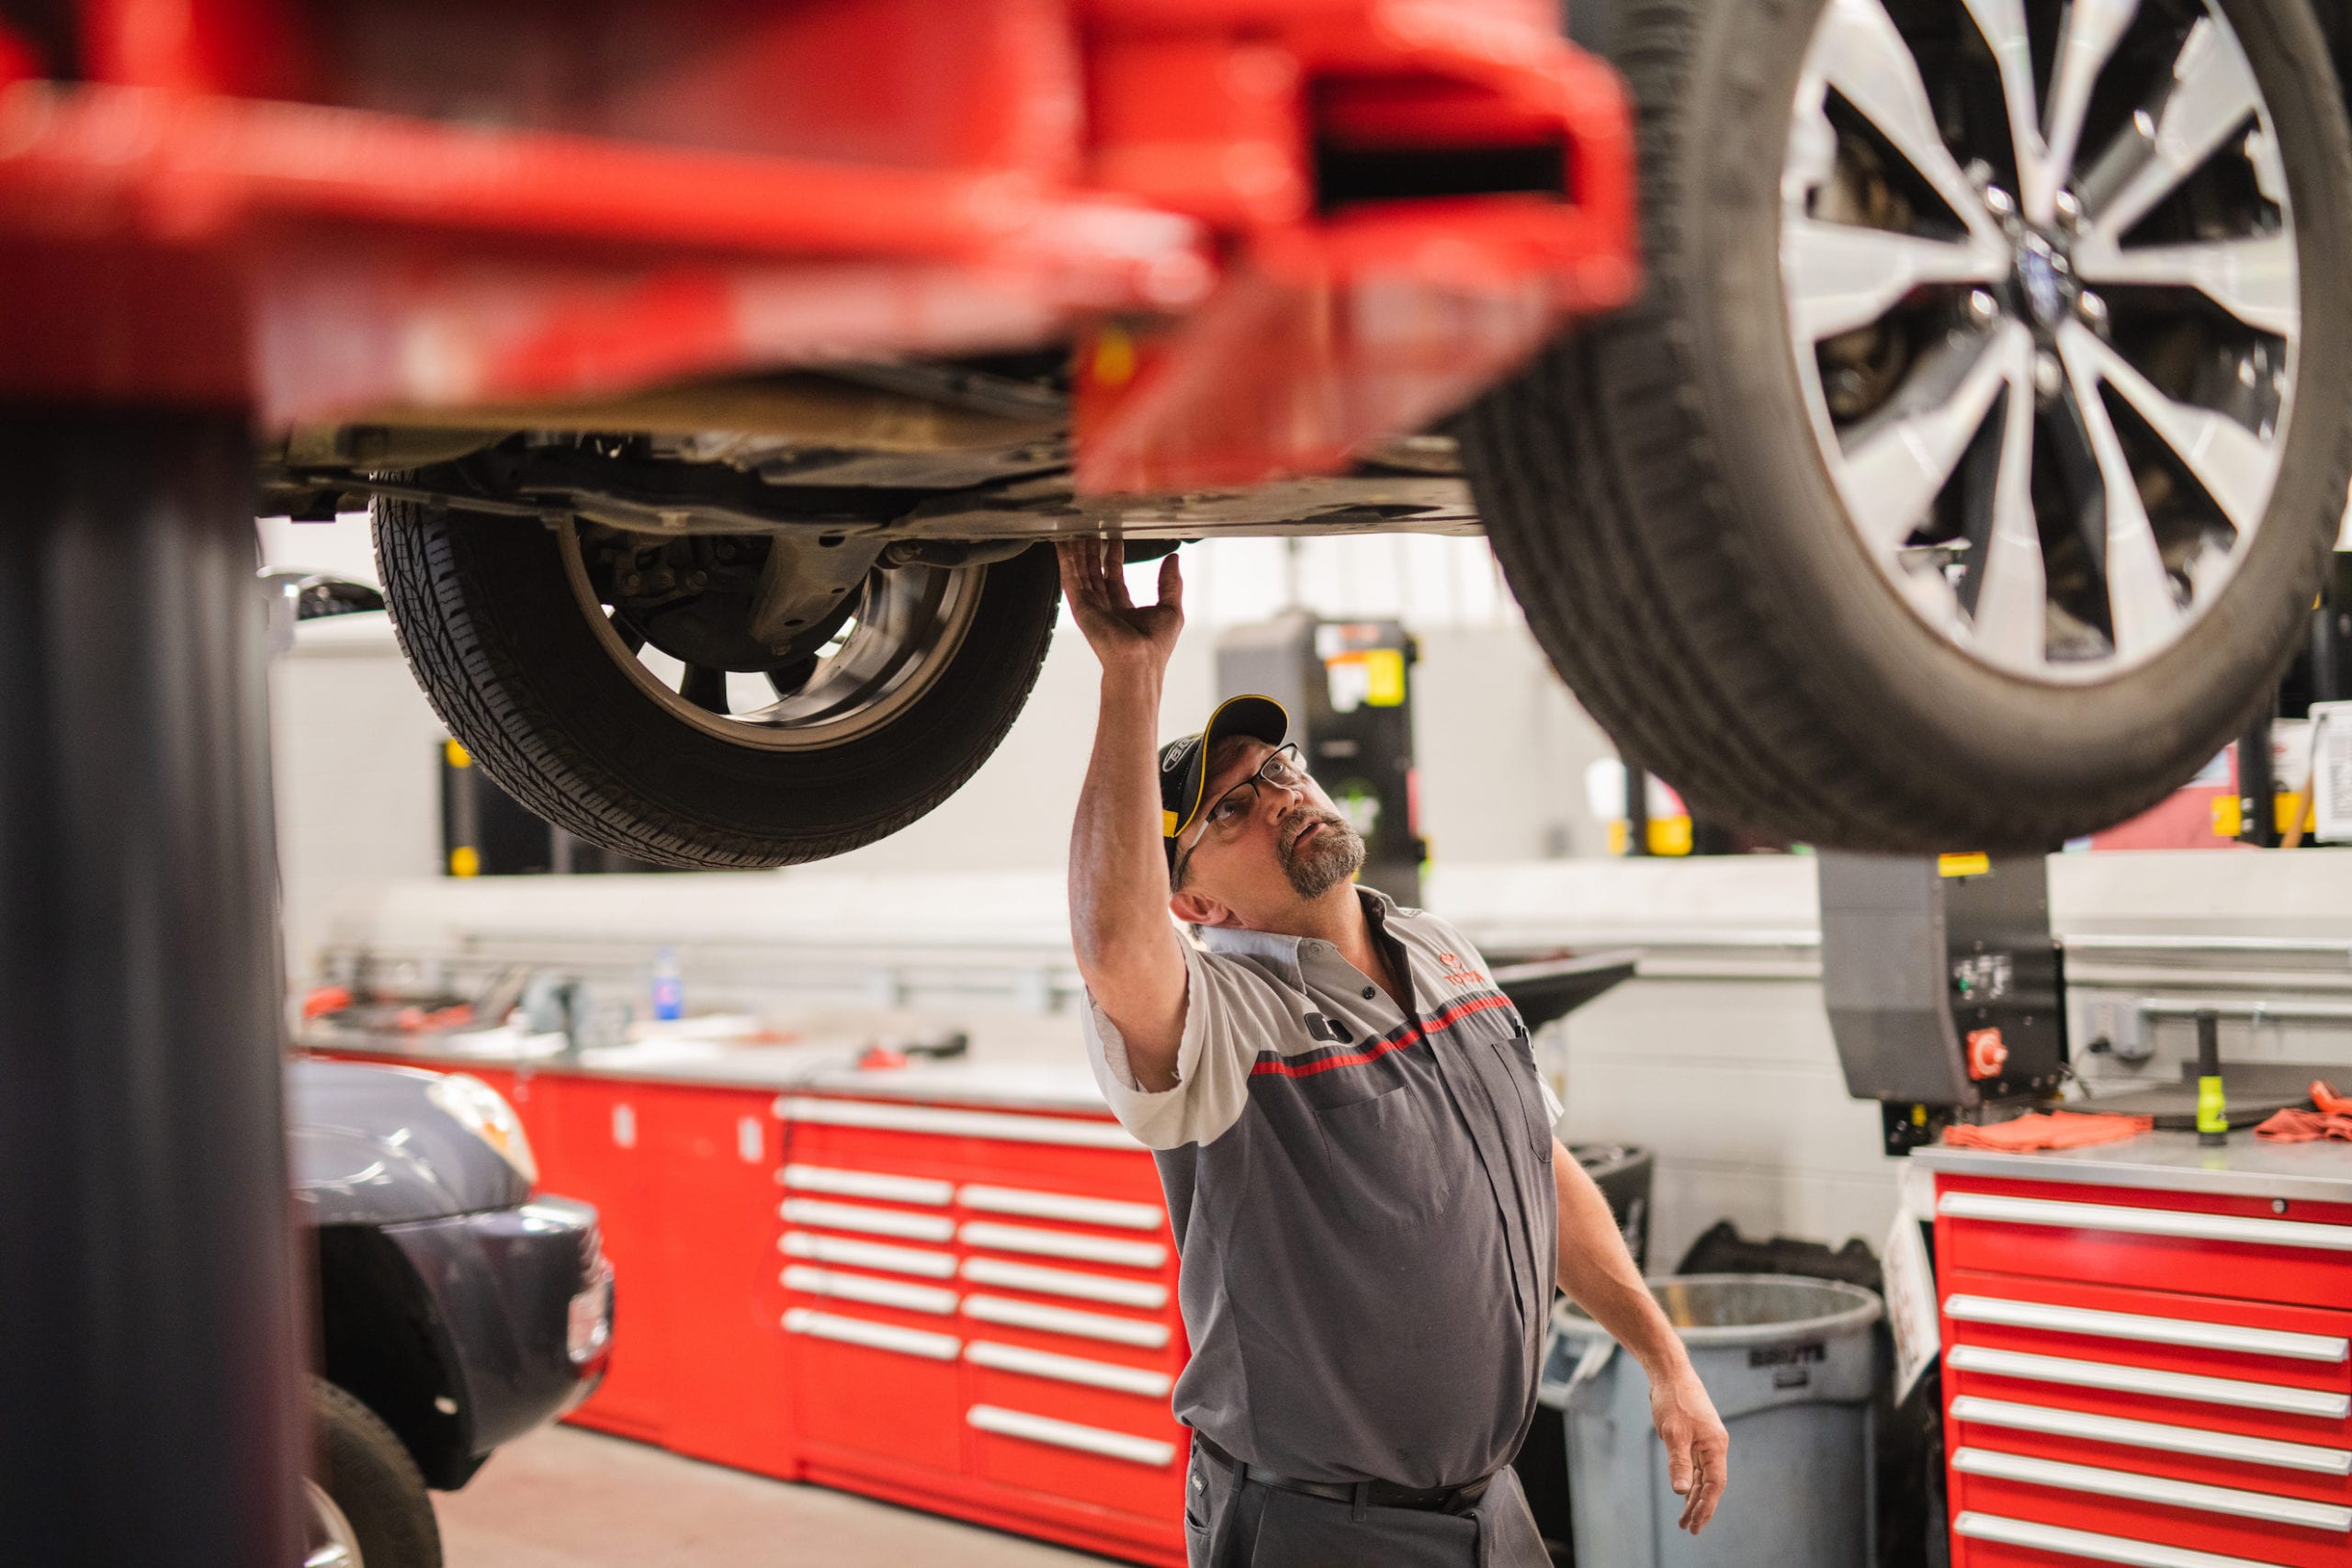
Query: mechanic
1369, 1205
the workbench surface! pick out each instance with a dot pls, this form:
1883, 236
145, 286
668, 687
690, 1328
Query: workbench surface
2246, 1167
812, 1067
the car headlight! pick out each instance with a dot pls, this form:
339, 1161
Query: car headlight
483, 1112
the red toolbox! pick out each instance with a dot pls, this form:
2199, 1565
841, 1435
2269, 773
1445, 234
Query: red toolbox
2151, 1374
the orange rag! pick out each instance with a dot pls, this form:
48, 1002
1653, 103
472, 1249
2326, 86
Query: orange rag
2048, 1130
2332, 1120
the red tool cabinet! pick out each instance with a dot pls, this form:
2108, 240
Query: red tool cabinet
966, 1308
1009, 1279
2145, 1375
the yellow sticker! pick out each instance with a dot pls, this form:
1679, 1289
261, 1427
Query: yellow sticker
1114, 359
1383, 671
464, 860
1962, 866
456, 755
2229, 816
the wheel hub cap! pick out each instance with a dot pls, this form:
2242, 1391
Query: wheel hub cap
2045, 282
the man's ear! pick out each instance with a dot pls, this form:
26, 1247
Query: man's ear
1196, 908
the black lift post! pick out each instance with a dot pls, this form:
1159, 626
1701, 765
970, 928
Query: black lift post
148, 1330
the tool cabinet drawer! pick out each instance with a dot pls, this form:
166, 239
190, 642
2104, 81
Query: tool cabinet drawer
2163, 1331
2132, 1506
1086, 1155
1997, 1540
2189, 1243
1109, 1466
2185, 1449
844, 1355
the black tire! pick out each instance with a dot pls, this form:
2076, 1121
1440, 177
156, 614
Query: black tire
1662, 509
486, 616
372, 1479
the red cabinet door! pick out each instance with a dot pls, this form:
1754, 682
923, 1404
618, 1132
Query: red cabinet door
602, 1133
712, 1157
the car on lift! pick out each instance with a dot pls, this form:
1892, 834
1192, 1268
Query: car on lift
1963, 473
458, 1309
1963, 476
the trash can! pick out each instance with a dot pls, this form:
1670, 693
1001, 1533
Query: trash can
1791, 1366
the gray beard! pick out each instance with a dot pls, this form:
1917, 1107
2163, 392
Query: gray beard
1324, 861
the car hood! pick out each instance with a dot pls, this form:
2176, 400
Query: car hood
367, 1145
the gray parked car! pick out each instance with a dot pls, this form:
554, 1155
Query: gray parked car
456, 1308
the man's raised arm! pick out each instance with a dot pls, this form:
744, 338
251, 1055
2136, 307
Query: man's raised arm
1127, 947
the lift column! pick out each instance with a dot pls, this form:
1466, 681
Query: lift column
147, 1288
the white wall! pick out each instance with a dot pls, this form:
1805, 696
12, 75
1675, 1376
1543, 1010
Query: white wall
1502, 747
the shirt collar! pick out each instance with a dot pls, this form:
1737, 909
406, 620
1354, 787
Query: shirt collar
1283, 947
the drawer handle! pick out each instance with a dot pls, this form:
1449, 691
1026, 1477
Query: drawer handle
2153, 1435
2144, 1221
1148, 1451
876, 1292
914, 1261
2090, 1547
1064, 1244
880, 1221
1067, 1369
2146, 1379
1067, 1319
2154, 1330
1071, 1130
1061, 1206
1065, 1282
2329, 1517
873, 1336
869, 1184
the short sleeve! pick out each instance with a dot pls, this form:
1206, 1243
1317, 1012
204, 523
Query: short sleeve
1231, 1011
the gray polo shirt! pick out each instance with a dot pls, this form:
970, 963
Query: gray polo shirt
1363, 1203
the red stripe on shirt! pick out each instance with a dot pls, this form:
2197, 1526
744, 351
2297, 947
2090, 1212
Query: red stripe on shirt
1380, 1048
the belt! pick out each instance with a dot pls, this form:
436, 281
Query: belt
1374, 1493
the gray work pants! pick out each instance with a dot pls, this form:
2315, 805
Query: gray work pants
1230, 1523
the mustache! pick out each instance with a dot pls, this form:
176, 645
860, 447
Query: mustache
1295, 825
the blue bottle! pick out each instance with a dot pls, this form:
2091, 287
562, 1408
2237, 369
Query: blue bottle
669, 992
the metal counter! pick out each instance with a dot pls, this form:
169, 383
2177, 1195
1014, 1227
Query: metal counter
822, 1068
2246, 1167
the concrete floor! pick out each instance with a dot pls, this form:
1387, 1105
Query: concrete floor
564, 1498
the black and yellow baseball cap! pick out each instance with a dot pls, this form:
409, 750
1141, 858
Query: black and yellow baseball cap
1183, 765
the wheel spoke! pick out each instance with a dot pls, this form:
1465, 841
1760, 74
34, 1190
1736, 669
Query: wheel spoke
2003, 24
2010, 613
1860, 52
631, 639
2093, 29
1897, 463
2236, 467
706, 688
2211, 94
2143, 611
2258, 279
1841, 276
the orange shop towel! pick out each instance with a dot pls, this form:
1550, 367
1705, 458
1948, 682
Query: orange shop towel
2332, 1120
2048, 1130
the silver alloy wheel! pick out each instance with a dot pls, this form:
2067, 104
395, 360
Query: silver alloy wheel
329, 1541
908, 627
2049, 354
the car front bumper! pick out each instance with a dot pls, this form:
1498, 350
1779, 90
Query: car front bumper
523, 1302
